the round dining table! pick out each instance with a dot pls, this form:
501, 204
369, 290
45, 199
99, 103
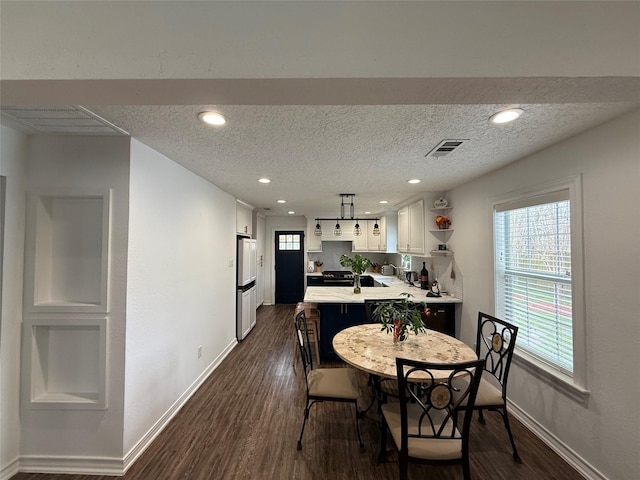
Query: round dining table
368, 348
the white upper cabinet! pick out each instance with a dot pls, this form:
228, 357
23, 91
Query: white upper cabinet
360, 242
244, 220
329, 226
411, 228
376, 243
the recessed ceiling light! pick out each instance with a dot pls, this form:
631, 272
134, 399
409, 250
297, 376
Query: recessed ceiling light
414, 180
367, 213
282, 201
383, 201
212, 118
506, 116
291, 212
264, 180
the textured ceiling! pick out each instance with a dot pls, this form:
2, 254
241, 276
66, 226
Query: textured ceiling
314, 153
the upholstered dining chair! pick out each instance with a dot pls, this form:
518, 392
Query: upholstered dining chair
424, 424
324, 384
495, 341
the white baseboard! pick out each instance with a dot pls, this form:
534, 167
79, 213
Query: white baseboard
10, 469
71, 465
585, 469
110, 466
162, 422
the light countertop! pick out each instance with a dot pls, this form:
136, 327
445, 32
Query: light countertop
346, 295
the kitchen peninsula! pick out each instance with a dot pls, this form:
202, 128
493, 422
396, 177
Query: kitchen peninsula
341, 308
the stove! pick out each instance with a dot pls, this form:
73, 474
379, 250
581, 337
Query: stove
337, 278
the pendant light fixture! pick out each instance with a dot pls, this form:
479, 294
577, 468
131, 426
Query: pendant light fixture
357, 231
337, 231
346, 205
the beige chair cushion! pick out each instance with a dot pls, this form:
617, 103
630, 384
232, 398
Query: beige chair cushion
333, 382
426, 448
489, 392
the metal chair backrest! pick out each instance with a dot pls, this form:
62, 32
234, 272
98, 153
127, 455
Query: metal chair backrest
302, 334
437, 392
495, 342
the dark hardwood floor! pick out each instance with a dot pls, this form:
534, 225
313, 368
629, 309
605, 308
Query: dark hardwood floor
244, 422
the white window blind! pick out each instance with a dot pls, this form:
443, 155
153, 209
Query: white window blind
533, 275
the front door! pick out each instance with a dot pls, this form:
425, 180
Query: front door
289, 248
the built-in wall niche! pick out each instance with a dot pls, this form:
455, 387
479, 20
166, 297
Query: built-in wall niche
68, 252
65, 364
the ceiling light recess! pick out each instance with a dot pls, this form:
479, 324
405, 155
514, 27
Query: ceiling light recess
264, 180
506, 116
212, 118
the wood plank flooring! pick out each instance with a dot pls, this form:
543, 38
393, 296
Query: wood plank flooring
244, 422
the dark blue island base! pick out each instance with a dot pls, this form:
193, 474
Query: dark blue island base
335, 317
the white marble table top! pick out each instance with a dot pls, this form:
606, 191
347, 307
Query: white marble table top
346, 295
368, 348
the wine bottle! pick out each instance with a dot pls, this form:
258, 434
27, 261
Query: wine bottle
424, 277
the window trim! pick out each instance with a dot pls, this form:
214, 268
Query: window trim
575, 387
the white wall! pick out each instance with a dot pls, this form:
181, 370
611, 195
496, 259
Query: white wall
181, 289
85, 437
606, 432
13, 163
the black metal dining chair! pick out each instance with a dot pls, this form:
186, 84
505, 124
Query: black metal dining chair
495, 341
324, 384
425, 424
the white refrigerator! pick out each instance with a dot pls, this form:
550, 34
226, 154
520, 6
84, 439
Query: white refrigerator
246, 287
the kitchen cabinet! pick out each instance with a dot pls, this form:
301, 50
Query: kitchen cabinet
336, 317
360, 242
377, 243
441, 235
442, 318
244, 221
411, 228
346, 225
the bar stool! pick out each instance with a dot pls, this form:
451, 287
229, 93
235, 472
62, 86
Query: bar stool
313, 328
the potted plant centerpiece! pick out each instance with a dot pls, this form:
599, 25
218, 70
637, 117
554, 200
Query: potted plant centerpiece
358, 266
401, 316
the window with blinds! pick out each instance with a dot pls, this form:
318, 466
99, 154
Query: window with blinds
533, 281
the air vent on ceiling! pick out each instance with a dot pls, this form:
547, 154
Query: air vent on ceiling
445, 147
63, 120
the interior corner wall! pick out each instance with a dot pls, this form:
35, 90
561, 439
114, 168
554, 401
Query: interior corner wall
13, 162
605, 434
181, 288
84, 438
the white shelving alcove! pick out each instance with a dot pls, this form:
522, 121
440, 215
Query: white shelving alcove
67, 256
65, 364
